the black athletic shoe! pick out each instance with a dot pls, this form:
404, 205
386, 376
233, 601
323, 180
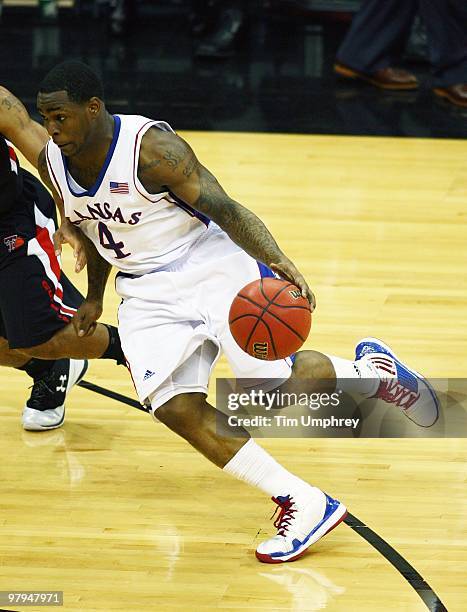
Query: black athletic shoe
45, 409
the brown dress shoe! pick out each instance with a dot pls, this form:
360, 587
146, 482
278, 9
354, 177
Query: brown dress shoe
457, 94
385, 78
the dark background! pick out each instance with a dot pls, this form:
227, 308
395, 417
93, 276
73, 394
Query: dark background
280, 78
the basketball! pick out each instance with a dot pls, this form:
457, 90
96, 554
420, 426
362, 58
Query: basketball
270, 319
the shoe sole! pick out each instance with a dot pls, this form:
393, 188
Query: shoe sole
447, 96
414, 372
326, 527
348, 73
70, 385
38, 427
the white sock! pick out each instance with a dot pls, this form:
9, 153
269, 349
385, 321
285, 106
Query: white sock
254, 465
355, 376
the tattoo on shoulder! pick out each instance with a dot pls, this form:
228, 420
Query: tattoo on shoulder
171, 158
175, 157
167, 156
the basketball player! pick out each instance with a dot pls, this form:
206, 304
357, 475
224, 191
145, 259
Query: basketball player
37, 301
184, 248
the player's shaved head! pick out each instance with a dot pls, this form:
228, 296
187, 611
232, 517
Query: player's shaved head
77, 79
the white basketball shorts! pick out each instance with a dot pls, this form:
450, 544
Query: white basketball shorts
173, 323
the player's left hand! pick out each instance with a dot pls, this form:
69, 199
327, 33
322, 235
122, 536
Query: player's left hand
287, 270
85, 319
67, 233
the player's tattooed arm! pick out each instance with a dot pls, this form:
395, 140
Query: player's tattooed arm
167, 162
27, 135
172, 165
90, 310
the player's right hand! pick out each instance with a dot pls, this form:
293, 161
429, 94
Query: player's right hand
85, 319
67, 233
287, 270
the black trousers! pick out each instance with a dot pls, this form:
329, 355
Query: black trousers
379, 32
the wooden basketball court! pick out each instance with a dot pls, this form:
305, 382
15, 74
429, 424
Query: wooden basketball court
119, 514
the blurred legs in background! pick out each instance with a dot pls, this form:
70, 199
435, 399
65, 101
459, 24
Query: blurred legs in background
378, 36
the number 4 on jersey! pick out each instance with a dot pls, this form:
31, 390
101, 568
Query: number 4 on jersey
107, 241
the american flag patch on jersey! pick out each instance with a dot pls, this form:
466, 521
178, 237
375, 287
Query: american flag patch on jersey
119, 187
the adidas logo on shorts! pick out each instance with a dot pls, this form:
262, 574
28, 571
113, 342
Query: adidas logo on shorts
148, 374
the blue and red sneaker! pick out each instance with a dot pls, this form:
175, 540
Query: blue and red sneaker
301, 522
399, 385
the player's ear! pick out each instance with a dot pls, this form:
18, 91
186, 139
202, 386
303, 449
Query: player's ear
94, 106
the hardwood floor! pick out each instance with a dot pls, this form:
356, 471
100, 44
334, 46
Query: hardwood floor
117, 512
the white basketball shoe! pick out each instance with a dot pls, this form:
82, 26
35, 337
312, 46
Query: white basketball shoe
399, 385
302, 521
45, 409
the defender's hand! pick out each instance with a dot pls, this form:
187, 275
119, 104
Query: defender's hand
85, 319
67, 233
287, 270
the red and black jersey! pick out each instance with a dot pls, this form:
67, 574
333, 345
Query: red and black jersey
36, 299
23, 200
11, 183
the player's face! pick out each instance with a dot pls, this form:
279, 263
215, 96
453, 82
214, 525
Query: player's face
68, 123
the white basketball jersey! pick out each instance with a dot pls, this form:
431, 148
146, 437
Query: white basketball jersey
135, 231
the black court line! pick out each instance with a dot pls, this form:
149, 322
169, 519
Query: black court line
115, 396
416, 581
423, 589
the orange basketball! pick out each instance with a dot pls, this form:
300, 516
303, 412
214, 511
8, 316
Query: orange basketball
270, 319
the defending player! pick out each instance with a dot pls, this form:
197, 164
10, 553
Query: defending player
37, 301
184, 248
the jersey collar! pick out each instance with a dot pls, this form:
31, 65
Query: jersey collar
91, 192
